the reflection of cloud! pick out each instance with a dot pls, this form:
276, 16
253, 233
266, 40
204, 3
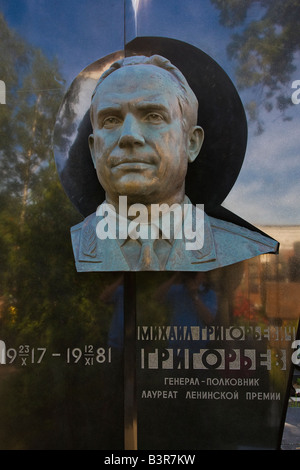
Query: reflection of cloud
267, 190
277, 149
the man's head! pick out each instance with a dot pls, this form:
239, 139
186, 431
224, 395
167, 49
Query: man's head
144, 117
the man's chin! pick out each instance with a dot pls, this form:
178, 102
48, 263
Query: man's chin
140, 192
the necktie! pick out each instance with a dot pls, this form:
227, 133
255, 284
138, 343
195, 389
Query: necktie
148, 259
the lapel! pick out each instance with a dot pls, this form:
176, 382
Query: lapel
181, 259
106, 252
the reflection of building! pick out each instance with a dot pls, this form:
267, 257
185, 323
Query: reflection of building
271, 284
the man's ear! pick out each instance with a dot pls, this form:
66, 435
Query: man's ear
196, 138
91, 145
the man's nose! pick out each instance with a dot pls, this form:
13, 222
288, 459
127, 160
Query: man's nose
131, 134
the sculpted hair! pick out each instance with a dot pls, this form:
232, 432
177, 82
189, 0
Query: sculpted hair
187, 100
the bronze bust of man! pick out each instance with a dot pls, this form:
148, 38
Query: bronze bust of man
145, 134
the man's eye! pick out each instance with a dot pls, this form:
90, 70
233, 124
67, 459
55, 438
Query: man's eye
110, 122
154, 118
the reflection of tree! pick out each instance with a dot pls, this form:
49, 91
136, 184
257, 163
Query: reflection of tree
43, 301
264, 48
34, 90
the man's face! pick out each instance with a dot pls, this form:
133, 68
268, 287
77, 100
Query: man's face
138, 145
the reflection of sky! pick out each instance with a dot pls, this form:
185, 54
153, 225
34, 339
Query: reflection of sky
79, 33
267, 190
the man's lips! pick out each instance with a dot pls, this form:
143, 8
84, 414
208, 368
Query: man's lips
131, 163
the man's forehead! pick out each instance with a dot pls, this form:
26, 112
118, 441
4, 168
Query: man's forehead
140, 98
133, 79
